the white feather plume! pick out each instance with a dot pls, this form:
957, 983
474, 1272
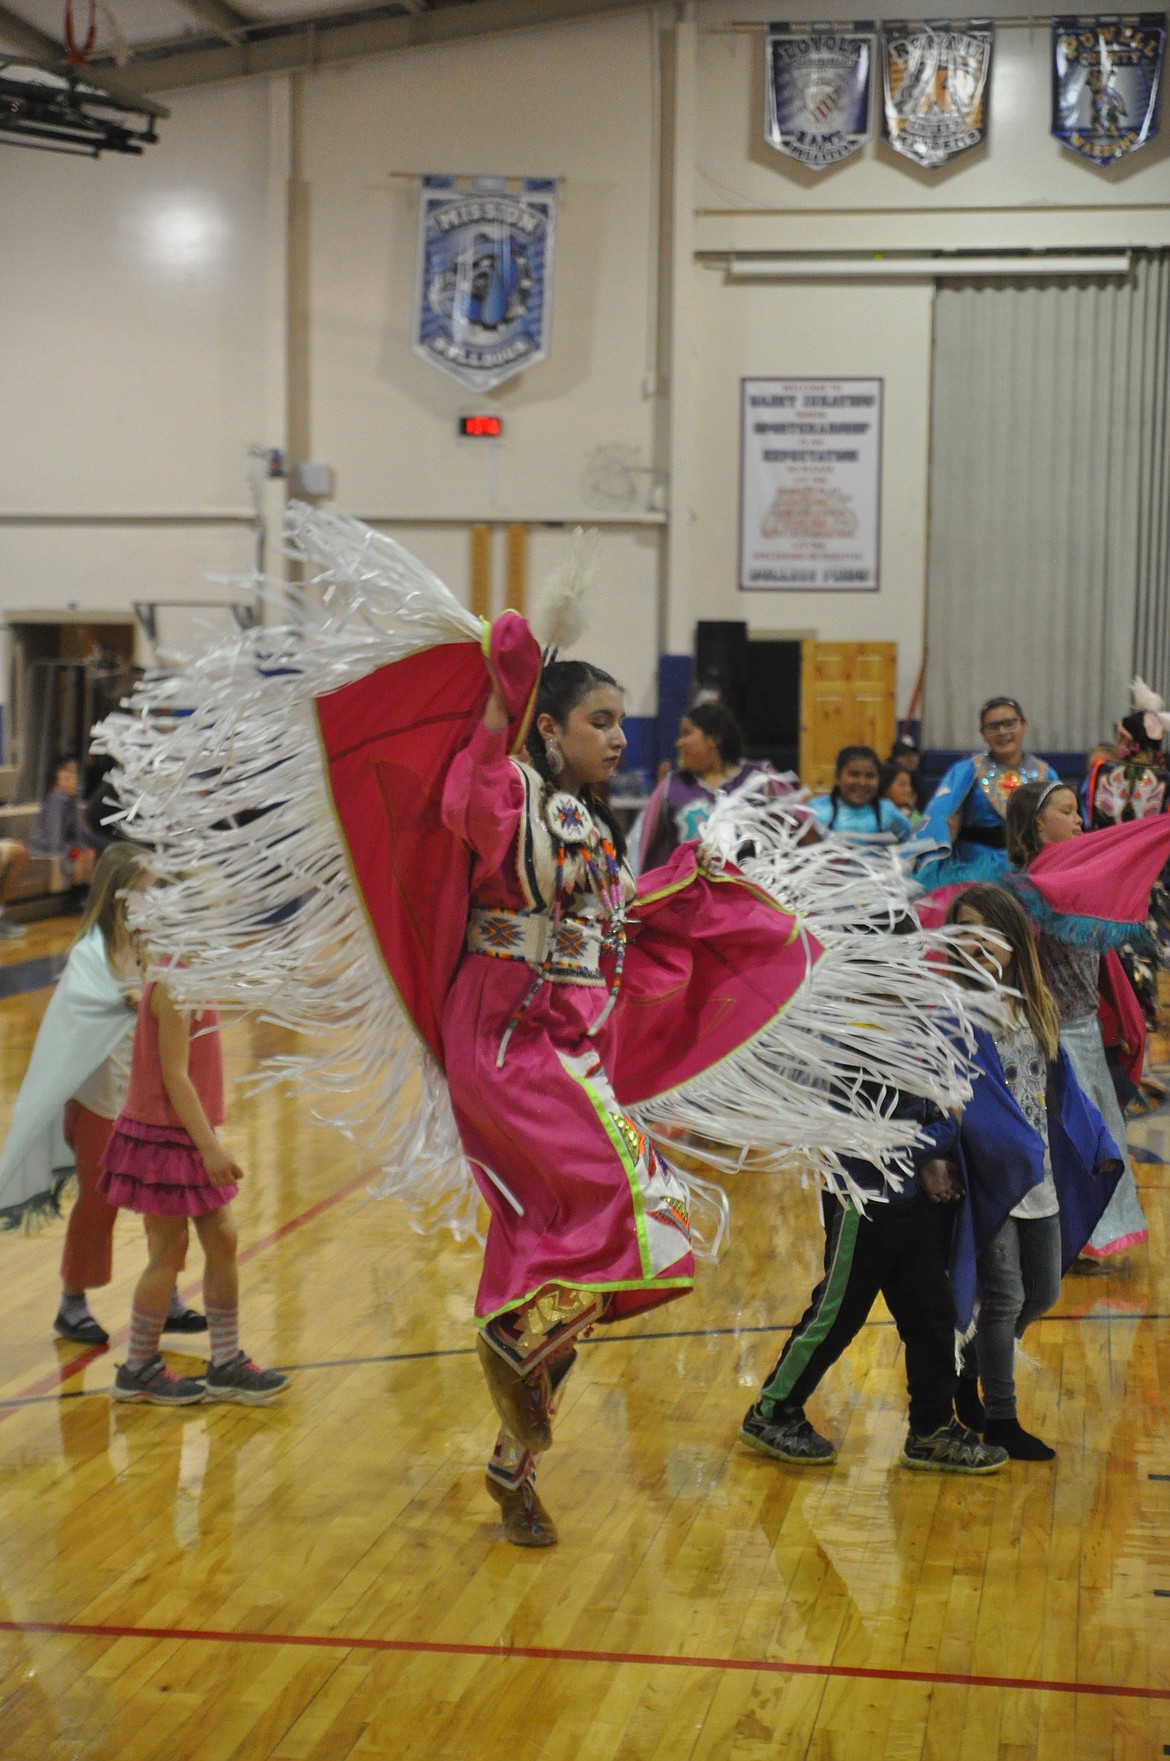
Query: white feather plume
1143, 697
559, 616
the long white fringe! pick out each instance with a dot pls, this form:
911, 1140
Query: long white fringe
878, 1017
220, 772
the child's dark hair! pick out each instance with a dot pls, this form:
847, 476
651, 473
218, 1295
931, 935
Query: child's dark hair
716, 721
1135, 727
848, 755
1004, 914
1023, 819
888, 774
563, 685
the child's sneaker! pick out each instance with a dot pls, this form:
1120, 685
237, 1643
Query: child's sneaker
953, 1449
156, 1384
240, 1379
787, 1438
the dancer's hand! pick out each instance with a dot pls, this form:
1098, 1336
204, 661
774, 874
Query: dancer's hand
939, 1182
221, 1170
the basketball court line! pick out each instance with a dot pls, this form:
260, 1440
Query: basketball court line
405, 1357
560, 1654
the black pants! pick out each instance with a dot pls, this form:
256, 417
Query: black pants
897, 1250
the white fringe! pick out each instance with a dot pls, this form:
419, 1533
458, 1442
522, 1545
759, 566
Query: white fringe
265, 919
264, 914
879, 1015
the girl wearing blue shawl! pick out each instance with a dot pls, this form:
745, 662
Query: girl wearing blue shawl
1038, 1165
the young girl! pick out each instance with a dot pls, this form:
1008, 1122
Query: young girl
897, 787
710, 764
164, 1159
1070, 948
1039, 1165
80, 1069
854, 810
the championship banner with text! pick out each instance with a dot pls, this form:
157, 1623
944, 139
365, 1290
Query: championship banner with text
810, 485
935, 77
1107, 83
818, 79
483, 302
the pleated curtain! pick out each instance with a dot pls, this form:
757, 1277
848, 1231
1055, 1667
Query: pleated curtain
1049, 552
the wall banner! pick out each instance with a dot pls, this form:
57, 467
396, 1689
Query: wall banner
935, 78
1107, 83
817, 96
483, 301
810, 485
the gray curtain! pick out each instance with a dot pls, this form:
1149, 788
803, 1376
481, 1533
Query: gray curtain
1049, 555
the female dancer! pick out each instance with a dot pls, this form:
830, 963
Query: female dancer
607, 1235
81, 1063
1040, 1168
436, 895
1070, 945
710, 763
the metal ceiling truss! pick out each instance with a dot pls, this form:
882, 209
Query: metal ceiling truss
266, 47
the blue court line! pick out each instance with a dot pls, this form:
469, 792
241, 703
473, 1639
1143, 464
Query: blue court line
22, 976
407, 1357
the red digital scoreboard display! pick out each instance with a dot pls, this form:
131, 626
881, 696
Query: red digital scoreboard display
481, 427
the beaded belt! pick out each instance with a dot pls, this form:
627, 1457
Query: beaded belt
568, 951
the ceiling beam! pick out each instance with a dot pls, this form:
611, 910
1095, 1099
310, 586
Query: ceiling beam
226, 20
332, 38
42, 50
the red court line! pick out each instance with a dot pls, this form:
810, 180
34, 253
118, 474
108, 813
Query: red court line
557, 1654
66, 1372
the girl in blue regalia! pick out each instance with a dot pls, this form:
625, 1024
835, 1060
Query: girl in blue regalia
962, 835
1039, 1169
854, 809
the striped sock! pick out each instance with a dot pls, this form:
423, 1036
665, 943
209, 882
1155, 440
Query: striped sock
223, 1325
145, 1332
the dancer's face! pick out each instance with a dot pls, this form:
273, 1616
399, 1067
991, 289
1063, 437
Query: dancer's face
901, 792
591, 739
857, 782
697, 751
1004, 728
1059, 818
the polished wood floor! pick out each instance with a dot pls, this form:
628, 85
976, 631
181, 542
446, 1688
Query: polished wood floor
324, 1580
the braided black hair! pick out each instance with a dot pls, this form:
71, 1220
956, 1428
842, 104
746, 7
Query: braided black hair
563, 685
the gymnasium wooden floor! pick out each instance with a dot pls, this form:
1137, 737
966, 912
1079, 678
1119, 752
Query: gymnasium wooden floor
323, 1581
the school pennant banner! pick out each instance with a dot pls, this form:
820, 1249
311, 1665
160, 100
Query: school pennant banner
818, 90
1107, 83
483, 301
935, 78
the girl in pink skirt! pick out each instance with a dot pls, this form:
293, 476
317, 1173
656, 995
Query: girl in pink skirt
164, 1160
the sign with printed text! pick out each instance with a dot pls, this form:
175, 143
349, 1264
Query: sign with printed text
817, 95
810, 485
935, 80
483, 299
1107, 83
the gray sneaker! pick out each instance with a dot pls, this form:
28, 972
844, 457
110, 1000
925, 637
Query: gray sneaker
953, 1450
242, 1380
787, 1439
156, 1384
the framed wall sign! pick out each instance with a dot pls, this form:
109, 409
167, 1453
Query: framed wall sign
810, 485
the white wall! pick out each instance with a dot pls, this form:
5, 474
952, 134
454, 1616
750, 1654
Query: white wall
137, 355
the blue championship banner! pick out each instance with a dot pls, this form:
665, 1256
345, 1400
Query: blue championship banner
483, 302
935, 77
1107, 83
817, 94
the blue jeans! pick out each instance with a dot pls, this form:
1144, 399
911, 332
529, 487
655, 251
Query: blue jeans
1019, 1280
